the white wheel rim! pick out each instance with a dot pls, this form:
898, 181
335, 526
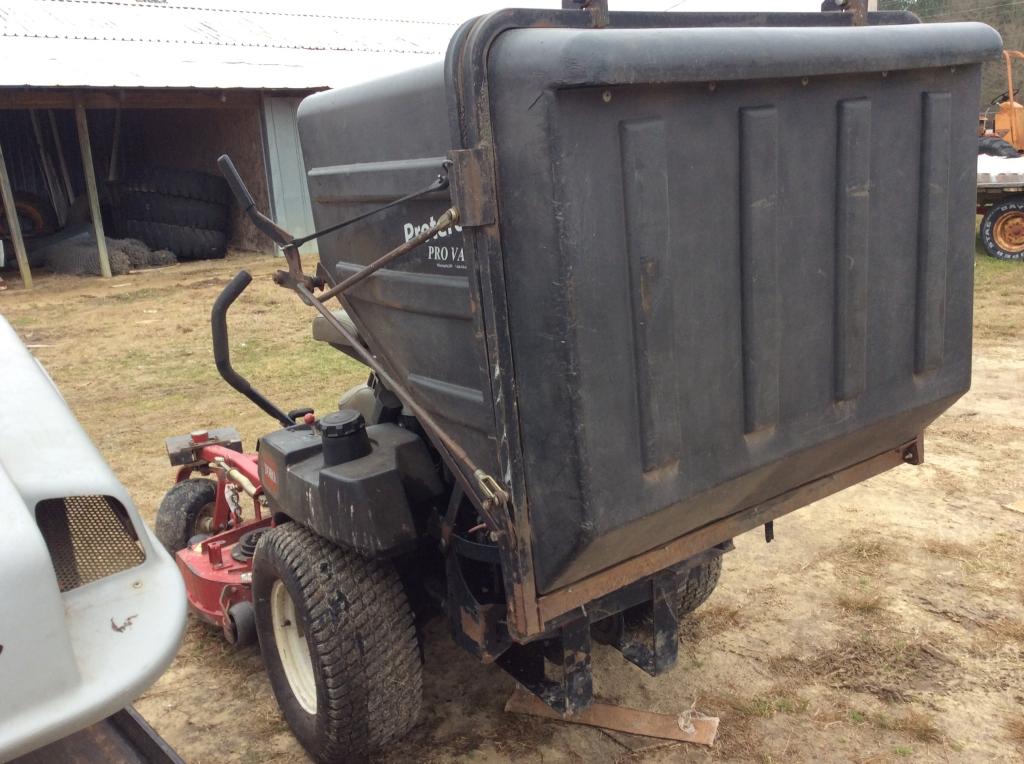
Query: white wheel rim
292, 648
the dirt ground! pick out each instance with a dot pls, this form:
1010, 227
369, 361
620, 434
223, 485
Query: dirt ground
883, 624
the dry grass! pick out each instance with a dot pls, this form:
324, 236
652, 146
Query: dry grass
917, 725
957, 551
709, 621
1004, 630
779, 700
859, 602
863, 556
885, 664
1015, 730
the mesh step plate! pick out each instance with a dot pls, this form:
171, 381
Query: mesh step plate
89, 537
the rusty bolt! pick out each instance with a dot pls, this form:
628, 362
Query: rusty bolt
199, 436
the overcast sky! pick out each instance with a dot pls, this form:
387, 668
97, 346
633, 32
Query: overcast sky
460, 10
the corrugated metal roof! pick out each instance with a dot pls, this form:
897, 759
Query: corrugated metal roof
111, 43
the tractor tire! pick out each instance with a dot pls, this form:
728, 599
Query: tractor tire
184, 183
1002, 229
187, 243
186, 510
176, 210
339, 644
698, 585
35, 214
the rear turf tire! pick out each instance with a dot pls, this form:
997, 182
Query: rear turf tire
339, 644
186, 510
697, 586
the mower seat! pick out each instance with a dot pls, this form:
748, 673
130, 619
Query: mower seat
362, 399
324, 332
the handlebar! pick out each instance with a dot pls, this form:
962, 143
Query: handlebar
222, 351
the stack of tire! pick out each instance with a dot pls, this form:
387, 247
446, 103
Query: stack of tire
183, 211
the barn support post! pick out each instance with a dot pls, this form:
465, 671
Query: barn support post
13, 224
90, 186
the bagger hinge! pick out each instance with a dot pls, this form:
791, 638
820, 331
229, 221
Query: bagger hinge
473, 186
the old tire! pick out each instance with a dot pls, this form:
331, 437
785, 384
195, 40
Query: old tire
187, 243
186, 510
35, 215
1002, 229
176, 210
339, 644
184, 183
996, 147
697, 586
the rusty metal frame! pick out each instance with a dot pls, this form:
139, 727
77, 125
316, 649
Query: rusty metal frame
561, 600
475, 175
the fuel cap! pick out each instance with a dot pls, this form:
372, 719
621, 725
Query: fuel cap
338, 424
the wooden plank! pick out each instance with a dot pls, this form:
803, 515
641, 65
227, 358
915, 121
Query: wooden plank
57, 199
141, 98
90, 187
65, 175
13, 224
688, 727
115, 145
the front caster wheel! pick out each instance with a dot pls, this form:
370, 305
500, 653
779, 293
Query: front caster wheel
339, 644
186, 510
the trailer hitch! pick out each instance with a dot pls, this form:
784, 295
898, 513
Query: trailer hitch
489, 496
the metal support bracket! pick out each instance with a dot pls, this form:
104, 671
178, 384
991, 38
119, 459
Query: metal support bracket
649, 636
574, 690
473, 186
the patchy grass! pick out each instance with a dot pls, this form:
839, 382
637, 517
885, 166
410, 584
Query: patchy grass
1014, 727
859, 602
709, 621
954, 550
864, 556
998, 284
768, 705
885, 664
1006, 630
915, 724
985, 565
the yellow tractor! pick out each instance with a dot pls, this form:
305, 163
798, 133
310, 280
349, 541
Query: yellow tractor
1008, 120
1001, 171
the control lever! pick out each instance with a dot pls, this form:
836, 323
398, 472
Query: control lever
276, 234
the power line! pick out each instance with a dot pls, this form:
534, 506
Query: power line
962, 11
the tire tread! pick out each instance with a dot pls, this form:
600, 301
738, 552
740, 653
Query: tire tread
364, 636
